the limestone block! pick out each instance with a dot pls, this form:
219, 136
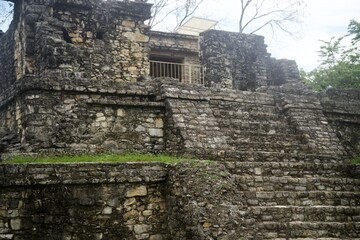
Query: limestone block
107, 211
159, 123
128, 23
15, 224
154, 132
131, 215
140, 129
121, 112
156, 237
142, 228
142, 236
130, 201
6, 236
147, 213
137, 192
136, 37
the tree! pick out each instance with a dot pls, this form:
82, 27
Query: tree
258, 14
181, 10
340, 64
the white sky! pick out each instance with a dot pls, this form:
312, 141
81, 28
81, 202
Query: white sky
323, 19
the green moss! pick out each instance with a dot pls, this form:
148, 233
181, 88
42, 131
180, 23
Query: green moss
356, 160
127, 157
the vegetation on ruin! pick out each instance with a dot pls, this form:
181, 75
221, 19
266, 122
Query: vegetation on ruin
356, 160
109, 157
340, 64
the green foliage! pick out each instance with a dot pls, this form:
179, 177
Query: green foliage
340, 65
128, 157
356, 160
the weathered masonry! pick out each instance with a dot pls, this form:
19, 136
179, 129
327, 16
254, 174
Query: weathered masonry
75, 77
72, 83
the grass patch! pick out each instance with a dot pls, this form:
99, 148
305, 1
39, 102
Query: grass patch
356, 160
127, 157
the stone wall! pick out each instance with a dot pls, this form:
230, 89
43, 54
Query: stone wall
281, 71
233, 60
166, 116
240, 61
83, 201
112, 44
62, 104
209, 201
56, 50
12, 47
195, 200
173, 42
87, 118
342, 110
75, 40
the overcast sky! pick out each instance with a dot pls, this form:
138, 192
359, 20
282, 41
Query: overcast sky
322, 20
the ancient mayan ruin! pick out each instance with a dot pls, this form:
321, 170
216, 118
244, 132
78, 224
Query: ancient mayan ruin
89, 76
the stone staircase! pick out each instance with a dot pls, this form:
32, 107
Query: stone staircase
298, 199
251, 127
287, 161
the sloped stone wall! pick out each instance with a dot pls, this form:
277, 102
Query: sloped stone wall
83, 201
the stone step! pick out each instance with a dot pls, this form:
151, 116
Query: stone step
286, 168
302, 198
308, 213
263, 145
241, 125
278, 155
264, 133
260, 183
284, 144
299, 229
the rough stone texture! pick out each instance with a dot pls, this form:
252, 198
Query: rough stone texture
58, 40
232, 60
163, 115
82, 201
240, 61
67, 85
173, 42
191, 200
209, 201
281, 71
342, 109
212, 123
203, 203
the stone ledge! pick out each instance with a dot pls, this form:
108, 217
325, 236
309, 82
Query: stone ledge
80, 173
